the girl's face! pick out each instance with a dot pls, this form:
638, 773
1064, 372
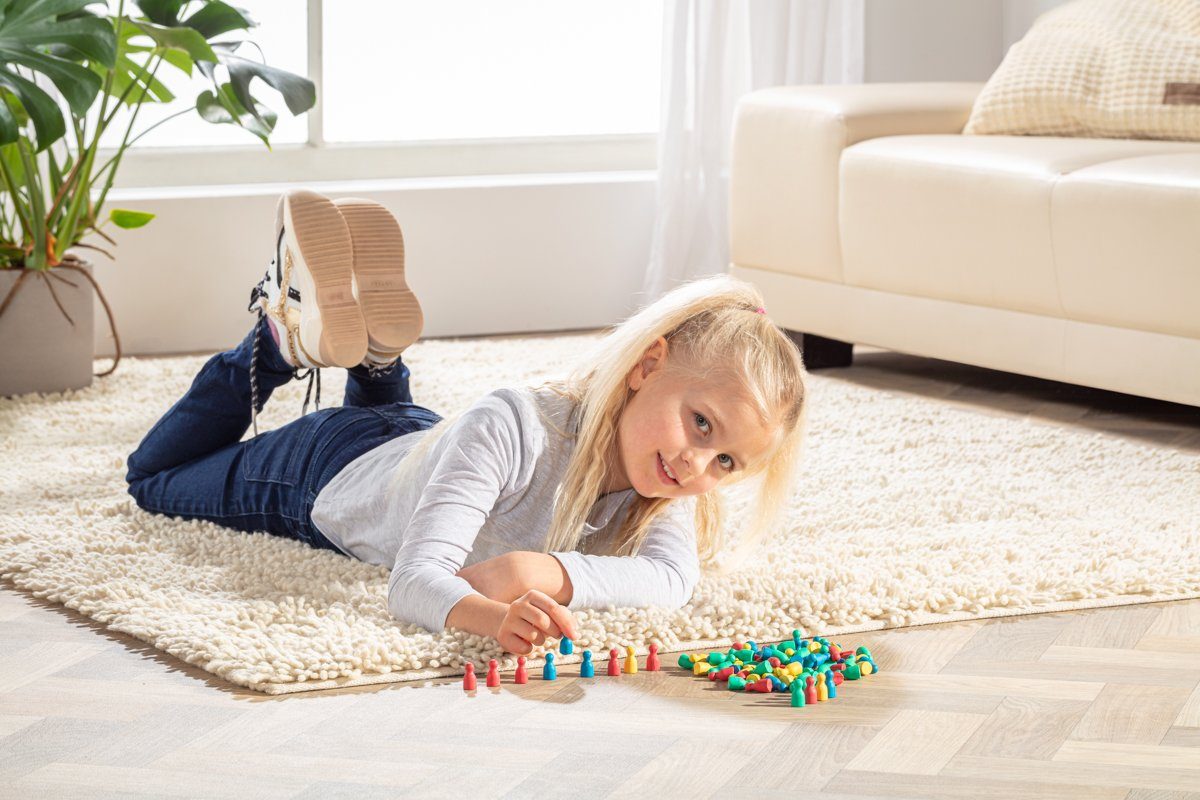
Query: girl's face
698, 433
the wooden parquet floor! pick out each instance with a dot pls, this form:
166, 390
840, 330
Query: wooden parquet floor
1089, 704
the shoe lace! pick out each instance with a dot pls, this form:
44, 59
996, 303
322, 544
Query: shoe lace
312, 374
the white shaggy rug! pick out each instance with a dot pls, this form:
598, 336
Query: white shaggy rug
907, 512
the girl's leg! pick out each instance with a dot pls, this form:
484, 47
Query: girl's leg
368, 386
270, 482
215, 411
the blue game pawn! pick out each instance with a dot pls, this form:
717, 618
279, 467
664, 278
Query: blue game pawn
586, 670
549, 673
566, 646
831, 686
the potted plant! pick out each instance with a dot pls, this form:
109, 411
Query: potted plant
65, 71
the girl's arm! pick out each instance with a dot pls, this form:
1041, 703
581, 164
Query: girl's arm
507, 577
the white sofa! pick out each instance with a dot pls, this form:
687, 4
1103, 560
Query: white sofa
865, 216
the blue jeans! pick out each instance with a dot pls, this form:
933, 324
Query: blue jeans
193, 464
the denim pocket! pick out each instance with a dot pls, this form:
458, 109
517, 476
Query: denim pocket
282, 455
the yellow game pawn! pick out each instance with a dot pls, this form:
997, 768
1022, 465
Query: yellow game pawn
822, 690
630, 661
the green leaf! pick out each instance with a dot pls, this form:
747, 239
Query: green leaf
12, 160
299, 93
78, 85
162, 12
126, 72
47, 37
91, 37
124, 218
217, 17
47, 120
8, 121
185, 39
224, 108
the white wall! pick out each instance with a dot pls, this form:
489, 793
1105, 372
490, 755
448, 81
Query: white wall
932, 40
944, 40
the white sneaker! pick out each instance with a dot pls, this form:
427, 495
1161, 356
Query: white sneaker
318, 318
391, 310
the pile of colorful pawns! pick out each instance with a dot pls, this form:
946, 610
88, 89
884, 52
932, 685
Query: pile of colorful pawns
810, 670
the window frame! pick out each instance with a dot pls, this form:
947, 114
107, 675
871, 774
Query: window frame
318, 160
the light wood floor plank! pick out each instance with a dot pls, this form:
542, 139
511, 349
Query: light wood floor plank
1023, 727
1131, 714
1182, 737
98, 780
802, 758
1189, 715
1120, 627
1160, 794
951, 787
1092, 775
916, 742
1141, 756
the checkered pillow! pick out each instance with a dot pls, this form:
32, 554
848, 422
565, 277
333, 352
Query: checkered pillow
1102, 68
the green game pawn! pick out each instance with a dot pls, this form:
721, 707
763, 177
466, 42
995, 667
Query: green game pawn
852, 672
737, 683
797, 690
686, 662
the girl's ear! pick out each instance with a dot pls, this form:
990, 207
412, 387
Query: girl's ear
652, 361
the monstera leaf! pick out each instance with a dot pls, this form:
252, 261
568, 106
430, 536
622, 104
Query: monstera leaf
50, 37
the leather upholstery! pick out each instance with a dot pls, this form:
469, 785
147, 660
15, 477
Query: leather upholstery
1080, 253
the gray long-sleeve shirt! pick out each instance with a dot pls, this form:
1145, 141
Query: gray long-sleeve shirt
485, 488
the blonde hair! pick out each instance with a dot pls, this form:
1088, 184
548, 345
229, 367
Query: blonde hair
713, 330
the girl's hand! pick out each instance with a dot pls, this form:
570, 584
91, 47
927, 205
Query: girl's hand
531, 619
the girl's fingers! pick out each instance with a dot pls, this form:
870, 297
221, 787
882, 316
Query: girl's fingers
537, 618
563, 622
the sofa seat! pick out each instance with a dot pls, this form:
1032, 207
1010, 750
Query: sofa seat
866, 217
968, 218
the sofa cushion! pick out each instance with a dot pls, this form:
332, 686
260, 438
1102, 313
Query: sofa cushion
1120, 68
965, 218
1127, 243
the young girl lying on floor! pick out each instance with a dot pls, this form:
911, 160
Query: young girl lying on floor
582, 493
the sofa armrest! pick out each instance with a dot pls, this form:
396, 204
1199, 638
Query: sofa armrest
787, 145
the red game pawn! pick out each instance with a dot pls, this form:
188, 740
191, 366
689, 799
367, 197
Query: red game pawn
837, 678
763, 686
469, 677
652, 663
614, 663
522, 675
493, 676
810, 691
834, 653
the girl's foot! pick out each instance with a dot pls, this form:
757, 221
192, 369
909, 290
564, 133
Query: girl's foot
393, 315
307, 292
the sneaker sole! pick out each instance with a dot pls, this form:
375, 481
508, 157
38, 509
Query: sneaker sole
329, 314
393, 315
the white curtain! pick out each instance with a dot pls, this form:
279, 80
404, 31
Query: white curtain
714, 51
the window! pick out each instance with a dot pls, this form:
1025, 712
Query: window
412, 70
403, 71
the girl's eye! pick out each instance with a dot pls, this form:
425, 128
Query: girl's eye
701, 421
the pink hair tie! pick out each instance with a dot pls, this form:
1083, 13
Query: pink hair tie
760, 310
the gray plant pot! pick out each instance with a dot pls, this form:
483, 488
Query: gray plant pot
40, 351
